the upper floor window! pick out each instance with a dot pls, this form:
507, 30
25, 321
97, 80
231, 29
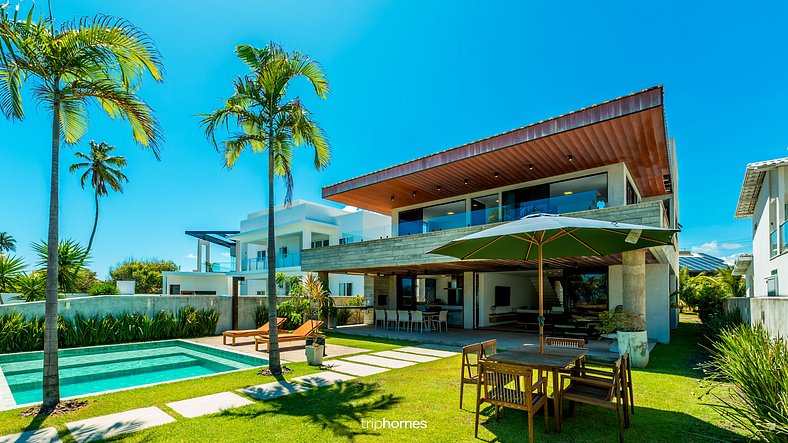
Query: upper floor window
632, 196
432, 218
346, 289
574, 195
485, 210
774, 243
320, 243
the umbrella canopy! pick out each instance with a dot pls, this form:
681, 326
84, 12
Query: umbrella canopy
541, 236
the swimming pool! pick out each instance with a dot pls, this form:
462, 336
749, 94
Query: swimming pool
106, 368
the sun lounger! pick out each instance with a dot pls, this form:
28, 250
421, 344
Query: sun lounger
250, 332
302, 333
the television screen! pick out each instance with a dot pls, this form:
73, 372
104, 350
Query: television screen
503, 296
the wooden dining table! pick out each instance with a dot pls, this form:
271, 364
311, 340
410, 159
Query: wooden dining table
552, 361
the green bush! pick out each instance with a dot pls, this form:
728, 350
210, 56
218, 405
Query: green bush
296, 310
721, 321
756, 369
261, 315
18, 334
104, 288
708, 294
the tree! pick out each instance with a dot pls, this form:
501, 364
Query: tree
89, 60
10, 269
266, 121
737, 285
86, 279
102, 169
145, 273
7, 243
32, 286
71, 256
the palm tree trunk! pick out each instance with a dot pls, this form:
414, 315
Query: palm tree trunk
51, 382
274, 365
95, 224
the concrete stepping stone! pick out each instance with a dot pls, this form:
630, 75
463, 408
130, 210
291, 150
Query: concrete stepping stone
208, 404
100, 428
356, 369
273, 390
46, 435
380, 361
323, 378
405, 356
427, 351
6, 396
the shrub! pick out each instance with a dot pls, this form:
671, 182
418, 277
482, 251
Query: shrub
104, 288
708, 296
18, 334
756, 369
296, 310
145, 273
32, 286
261, 315
721, 321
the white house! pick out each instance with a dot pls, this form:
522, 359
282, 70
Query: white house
302, 225
764, 200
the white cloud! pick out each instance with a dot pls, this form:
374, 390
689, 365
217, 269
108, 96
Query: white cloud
715, 248
730, 246
730, 259
191, 256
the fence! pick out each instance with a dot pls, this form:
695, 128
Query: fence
772, 312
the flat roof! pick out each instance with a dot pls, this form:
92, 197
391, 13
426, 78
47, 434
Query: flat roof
753, 182
629, 129
215, 237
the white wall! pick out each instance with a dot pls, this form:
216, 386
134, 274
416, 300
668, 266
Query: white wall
658, 302
335, 279
774, 187
522, 293
199, 281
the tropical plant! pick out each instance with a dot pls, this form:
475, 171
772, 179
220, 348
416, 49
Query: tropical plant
266, 121
86, 279
7, 241
102, 169
735, 283
10, 268
71, 256
624, 321
100, 59
104, 288
752, 369
727, 319
145, 273
708, 295
32, 286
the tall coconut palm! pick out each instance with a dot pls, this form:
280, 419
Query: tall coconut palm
90, 60
102, 169
7, 243
267, 121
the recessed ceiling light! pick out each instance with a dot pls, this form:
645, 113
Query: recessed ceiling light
414, 193
465, 181
530, 166
450, 213
568, 192
570, 157
439, 187
496, 175
392, 198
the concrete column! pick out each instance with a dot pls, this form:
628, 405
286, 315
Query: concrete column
469, 287
634, 281
306, 239
238, 255
199, 255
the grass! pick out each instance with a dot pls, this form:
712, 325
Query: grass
667, 395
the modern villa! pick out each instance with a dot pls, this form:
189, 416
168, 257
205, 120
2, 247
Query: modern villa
302, 225
613, 161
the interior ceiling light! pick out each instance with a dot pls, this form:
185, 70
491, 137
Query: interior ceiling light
450, 213
439, 187
392, 198
465, 181
496, 175
570, 157
567, 192
530, 166
414, 193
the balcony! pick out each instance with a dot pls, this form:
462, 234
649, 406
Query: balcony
413, 249
289, 260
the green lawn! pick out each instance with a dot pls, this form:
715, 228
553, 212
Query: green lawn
666, 395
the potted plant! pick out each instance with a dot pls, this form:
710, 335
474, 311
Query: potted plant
630, 333
313, 288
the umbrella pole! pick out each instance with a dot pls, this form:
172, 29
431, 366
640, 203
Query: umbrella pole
541, 302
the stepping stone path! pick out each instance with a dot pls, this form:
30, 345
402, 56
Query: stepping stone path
416, 358
273, 390
348, 368
323, 378
356, 369
380, 361
427, 351
46, 435
107, 426
208, 404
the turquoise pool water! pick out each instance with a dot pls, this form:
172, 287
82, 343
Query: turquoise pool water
104, 368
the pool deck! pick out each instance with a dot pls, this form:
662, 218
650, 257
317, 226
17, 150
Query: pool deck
292, 351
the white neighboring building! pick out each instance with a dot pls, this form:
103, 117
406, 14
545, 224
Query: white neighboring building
764, 199
302, 225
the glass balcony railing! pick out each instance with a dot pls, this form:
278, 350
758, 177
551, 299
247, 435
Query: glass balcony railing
282, 261
220, 266
576, 202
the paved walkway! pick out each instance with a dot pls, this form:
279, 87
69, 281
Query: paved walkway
338, 371
290, 351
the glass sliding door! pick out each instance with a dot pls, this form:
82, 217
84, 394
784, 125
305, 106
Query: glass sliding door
574, 195
406, 293
485, 210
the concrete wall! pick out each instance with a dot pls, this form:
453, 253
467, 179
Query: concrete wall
657, 298
772, 312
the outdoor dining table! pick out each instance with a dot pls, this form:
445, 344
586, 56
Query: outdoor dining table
428, 316
552, 361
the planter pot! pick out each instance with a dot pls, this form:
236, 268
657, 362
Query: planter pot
674, 318
636, 343
332, 321
314, 354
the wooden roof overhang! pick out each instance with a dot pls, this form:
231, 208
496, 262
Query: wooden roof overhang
629, 129
456, 266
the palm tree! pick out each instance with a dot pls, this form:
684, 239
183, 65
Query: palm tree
71, 257
269, 122
10, 269
89, 60
7, 243
101, 169
736, 283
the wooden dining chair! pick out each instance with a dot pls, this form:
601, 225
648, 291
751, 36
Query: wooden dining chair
469, 370
489, 347
572, 343
626, 378
511, 386
598, 388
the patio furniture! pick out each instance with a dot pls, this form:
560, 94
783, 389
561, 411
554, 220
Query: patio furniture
403, 317
602, 389
441, 320
552, 360
489, 347
626, 378
469, 369
417, 318
391, 317
430, 318
302, 333
239, 333
562, 342
380, 317
511, 386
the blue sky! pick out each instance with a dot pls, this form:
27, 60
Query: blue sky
408, 79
